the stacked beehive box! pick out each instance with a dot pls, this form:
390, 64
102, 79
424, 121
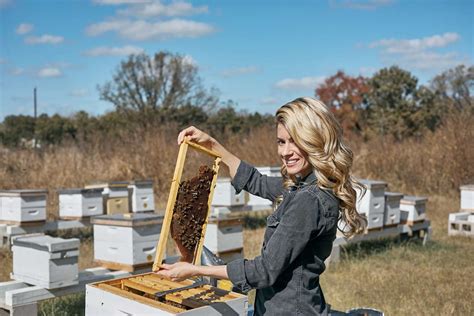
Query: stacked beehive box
126, 241
462, 223
412, 209
224, 237
23, 206
115, 196
225, 194
142, 198
392, 208
45, 261
256, 202
372, 203
80, 203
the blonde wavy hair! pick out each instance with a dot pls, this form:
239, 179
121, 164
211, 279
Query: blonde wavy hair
315, 130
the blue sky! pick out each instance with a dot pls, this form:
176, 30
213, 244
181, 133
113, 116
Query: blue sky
259, 54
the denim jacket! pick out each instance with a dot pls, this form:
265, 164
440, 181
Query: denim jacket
298, 238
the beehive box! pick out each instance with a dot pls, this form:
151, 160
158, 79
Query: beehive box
23, 206
372, 204
142, 198
223, 234
115, 196
137, 295
461, 224
412, 209
256, 201
126, 241
80, 203
46, 261
467, 197
225, 194
392, 208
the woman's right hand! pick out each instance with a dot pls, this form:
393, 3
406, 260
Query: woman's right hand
196, 135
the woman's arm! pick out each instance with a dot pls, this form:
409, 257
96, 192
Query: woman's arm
183, 270
204, 139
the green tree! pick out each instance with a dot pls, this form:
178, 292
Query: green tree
158, 84
17, 129
454, 87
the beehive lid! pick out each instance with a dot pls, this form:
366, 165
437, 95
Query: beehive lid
145, 182
25, 192
411, 199
46, 243
467, 187
393, 195
373, 184
80, 191
128, 220
104, 185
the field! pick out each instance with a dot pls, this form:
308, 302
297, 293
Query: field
399, 278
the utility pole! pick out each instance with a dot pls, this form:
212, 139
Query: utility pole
35, 111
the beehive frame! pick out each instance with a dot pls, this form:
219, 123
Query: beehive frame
178, 171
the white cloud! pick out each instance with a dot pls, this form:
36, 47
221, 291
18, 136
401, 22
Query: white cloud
44, 39
119, 2
305, 83
178, 8
17, 71
360, 4
78, 93
49, 72
394, 46
420, 53
114, 51
240, 71
142, 30
24, 28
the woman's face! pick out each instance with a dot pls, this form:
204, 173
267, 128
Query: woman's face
292, 157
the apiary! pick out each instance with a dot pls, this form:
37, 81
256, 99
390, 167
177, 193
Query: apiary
467, 197
256, 201
126, 241
225, 194
412, 209
392, 208
115, 196
46, 261
80, 203
223, 234
149, 294
23, 206
372, 204
142, 198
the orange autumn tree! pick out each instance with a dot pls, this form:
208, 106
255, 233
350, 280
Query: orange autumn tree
344, 96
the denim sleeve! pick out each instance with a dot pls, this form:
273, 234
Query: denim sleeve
249, 179
292, 233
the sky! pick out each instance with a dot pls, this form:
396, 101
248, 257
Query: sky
259, 54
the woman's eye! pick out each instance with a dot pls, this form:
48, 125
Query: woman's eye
280, 142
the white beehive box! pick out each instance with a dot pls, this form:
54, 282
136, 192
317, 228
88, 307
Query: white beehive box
392, 208
461, 223
126, 241
79, 203
115, 195
254, 200
467, 197
22, 206
45, 261
223, 234
225, 195
111, 298
413, 208
142, 196
374, 199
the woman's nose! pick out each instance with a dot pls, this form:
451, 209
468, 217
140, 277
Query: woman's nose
287, 151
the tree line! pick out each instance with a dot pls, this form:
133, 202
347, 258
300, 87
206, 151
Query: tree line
166, 89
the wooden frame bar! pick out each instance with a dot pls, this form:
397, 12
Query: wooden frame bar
178, 172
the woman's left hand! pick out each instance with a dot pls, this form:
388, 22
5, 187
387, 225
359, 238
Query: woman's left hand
178, 271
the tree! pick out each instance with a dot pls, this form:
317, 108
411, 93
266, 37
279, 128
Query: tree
454, 87
162, 83
344, 96
392, 102
17, 128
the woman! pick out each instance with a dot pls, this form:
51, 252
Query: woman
317, 189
